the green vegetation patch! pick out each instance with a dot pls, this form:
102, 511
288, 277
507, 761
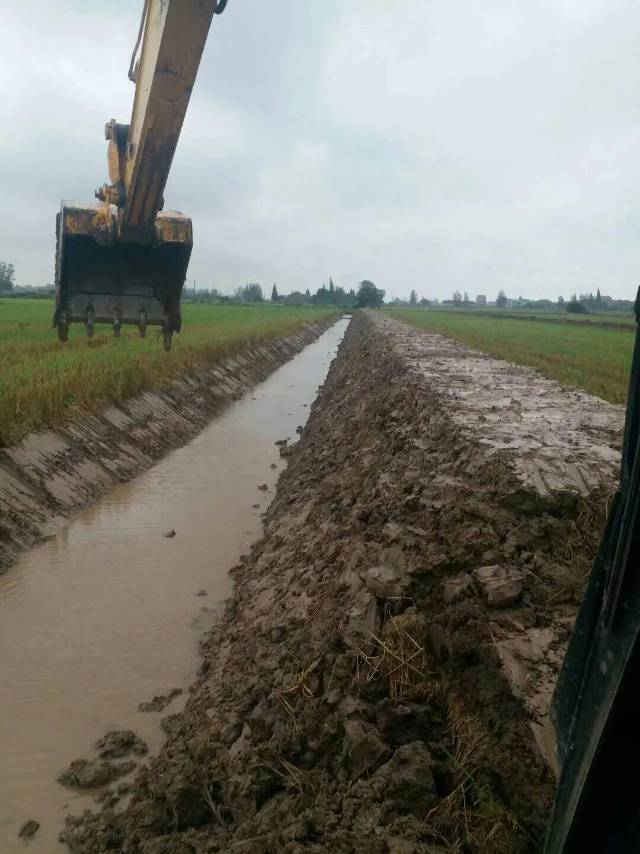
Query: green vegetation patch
609, 319
43, 382
588, 356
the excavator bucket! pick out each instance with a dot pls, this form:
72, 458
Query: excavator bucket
101, 278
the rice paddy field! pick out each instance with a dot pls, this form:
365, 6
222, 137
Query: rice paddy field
43, 381
592, 352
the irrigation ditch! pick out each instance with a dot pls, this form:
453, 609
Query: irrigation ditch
381, 676
52, 474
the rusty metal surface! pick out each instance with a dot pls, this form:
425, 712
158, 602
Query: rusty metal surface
96, 220
174, 227
101, 275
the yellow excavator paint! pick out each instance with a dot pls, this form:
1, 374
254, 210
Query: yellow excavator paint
124, 259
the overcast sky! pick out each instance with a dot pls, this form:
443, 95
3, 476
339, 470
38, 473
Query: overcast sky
427, 144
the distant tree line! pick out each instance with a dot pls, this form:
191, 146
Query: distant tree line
7, 276
366, 295
249, 293
369, 296
333, 295
577, 304
8, 287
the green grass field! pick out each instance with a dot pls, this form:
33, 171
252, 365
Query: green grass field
43, 381
592, 357
606, 319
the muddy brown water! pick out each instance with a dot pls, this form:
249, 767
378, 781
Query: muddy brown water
107, 614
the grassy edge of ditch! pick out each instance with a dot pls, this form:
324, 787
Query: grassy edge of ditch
589, 357
44, 383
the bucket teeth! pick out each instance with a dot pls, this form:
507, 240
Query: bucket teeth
63, 332
103, 279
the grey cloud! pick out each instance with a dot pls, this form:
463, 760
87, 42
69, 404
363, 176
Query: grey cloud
421, 144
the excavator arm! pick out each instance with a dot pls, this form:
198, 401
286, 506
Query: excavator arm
124, 259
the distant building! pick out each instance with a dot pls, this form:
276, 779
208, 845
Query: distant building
481, 299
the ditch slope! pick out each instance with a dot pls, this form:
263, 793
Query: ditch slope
380, 681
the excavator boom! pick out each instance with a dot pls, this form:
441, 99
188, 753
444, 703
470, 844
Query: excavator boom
124, 259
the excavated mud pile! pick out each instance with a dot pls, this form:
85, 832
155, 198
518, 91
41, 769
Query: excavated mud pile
53, 474
381, 677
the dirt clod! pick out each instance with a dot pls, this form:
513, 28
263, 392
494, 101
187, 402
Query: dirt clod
501, 585
407, 780
118, 743
29, 829
160, 702
456, 586
364, 750
92, 773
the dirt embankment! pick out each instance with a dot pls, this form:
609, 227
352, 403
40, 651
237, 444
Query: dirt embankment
54, 473
380, 680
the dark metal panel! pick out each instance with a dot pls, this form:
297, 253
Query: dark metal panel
597, 700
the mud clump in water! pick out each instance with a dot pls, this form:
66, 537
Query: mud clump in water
372, 687
121, 742
93, 773
29, 829
159, 703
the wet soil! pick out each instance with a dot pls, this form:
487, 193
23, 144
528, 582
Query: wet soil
380, 680
51, 475
100, 625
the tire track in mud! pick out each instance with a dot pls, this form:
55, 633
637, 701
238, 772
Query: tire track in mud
53, 474
381, 678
